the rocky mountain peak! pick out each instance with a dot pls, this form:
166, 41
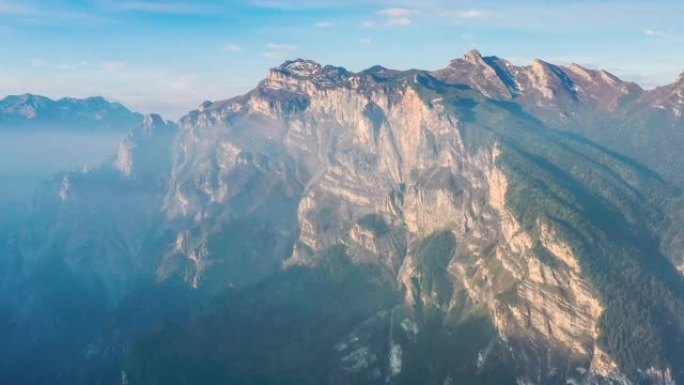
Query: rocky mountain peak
94, 100
23, 104
381, 74
291, 74
463, 209
473, 56
145, 150
589, 75
300, 68
151, 120
580, 71
35, 111
489, 75
540, 67
355, 148
549, 83
26, 98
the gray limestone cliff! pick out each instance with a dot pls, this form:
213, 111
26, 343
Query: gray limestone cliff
513, 251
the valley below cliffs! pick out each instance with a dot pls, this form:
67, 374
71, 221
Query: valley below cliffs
463, 226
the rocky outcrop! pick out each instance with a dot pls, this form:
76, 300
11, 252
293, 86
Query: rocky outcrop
380, 165
558, 94
484, 221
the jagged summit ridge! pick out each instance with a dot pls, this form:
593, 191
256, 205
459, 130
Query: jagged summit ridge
560, 94
387, 144
300, 68
555, 92
393, 167
154, 121
473, 56
307, 70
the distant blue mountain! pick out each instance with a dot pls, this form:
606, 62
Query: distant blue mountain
29, 111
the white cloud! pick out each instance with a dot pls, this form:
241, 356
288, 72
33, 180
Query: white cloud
34, 14
366, 40
159, 7
37, 63
368, 24
399, 21
658, 33
396, 17
66, 66
472, 14
669, 36
232, 47
324, 24
290, 5
395, 12
113, 66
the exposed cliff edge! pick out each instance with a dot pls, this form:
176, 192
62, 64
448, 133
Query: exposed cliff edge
379, 227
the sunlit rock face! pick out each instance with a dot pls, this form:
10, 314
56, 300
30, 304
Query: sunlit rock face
377, 161
500, 240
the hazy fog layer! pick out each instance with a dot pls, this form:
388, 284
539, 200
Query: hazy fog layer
26, 159
40, 155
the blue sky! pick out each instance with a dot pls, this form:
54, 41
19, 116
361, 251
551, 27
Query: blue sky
169, 56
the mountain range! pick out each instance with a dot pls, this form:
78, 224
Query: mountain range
34, 112
483, 223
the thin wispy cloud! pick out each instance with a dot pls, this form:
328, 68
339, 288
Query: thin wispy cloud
113, 66
72, 65
366, 40
162, 7
397, 16
658, 33
666, 36
40, 63
472, 14
324, 24
293, 5
232, 47
15, 8
37, 63
32, 14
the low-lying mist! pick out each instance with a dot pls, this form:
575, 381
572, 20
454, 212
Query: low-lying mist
27, 159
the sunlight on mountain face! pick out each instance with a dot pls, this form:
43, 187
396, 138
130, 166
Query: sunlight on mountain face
491, 222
